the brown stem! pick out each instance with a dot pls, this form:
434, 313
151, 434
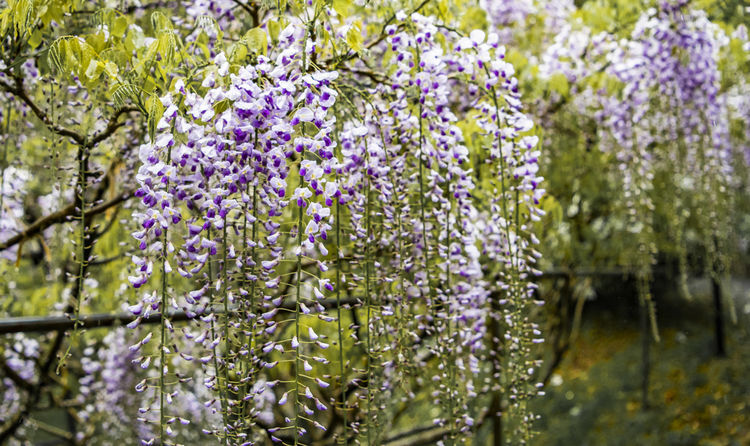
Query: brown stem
63, 215
645, 354
19, 91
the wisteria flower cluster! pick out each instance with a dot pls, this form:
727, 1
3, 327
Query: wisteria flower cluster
256, 147
658, 106
670, 117
252, 182
13, 180
507, 14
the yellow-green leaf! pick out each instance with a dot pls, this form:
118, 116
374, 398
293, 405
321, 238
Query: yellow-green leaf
473, 18
256, 40
354, 37
342, 7
111, 69
221, 106
36, 38
94, 69
155, 110
119, 26
559, 82
274, 28
237, 53
160, 22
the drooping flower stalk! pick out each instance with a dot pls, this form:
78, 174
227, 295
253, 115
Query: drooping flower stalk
83, 239
414, 247
342, 369
247, 350
449, 308
298, 286
227, 349
368, 295
163, 329
216, 379
6, 140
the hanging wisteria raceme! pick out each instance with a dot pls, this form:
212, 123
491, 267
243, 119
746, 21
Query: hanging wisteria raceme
106, 398
107, 387
508, 237
673, 52
250, 181
438, 214
19, 356
323, 217
505, 15
253, 149
575, 53
440, 220
669, 117
738, 102
11, 206
737, 99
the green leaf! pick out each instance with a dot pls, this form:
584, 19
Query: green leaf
149, 56
119, 26
168, 45
52, 12
155, 110
209, 25
274, 28
56, 54
237, 53
111, 69
354, 37
515, 58
122, 92
73, 55
93, 70
36, 38
160, 22
221, 106
97, 41
257, 40
23, 14
559, 82
474, 18
342, 7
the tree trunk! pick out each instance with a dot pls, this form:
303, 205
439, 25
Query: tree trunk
645, 353
496, 408
718, 318
497, 420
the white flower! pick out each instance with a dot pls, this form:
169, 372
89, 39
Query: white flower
477, 36
221, 61
277, 183
304, 114
301, 192
312, 228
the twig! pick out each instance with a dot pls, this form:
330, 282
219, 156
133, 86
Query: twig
53, 323
63, 215
18, 91
15, 377
53, 430
424, 435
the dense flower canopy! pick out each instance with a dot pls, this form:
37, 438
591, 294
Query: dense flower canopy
326, 212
